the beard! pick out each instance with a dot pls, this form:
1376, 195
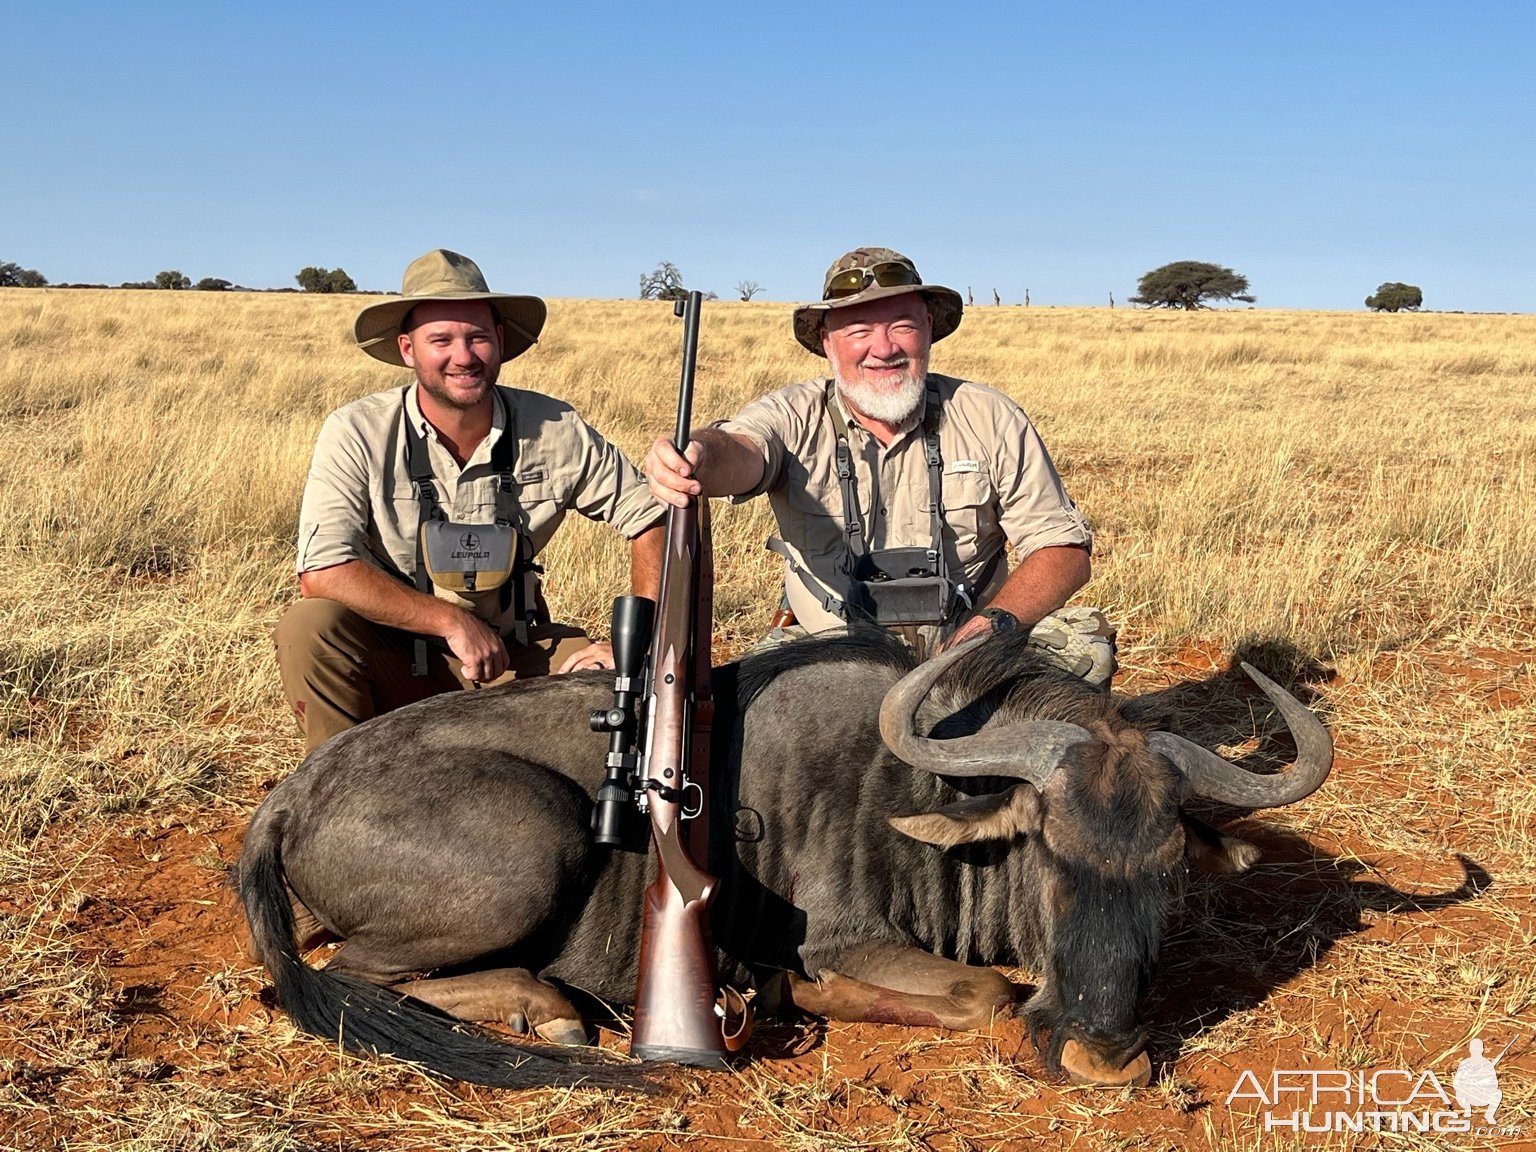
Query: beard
441, 387
894, 402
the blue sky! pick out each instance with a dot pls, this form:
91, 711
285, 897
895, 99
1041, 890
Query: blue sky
1317, 148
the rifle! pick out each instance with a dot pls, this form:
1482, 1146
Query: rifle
676, 1018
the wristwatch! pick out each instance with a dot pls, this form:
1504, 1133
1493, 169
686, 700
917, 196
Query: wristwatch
1002, 621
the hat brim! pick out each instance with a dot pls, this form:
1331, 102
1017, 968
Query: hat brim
944, 304
378, 325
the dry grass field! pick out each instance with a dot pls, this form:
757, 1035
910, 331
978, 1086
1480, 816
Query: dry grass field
1347, 496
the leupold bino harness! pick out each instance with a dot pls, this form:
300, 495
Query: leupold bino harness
890, 586
470, 557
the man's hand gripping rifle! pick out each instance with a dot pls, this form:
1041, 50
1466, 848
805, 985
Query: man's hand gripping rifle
678, 1016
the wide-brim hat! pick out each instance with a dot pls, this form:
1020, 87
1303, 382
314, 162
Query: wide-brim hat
445, 275
873, 265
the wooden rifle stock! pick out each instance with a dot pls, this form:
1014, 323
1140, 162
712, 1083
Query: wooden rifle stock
675, 994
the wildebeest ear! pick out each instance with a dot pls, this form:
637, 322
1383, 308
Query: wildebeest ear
999, 816
1211, 851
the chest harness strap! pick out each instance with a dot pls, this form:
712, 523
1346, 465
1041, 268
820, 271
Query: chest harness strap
514, 592
859, 564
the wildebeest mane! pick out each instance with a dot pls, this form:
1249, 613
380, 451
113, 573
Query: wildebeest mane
860, 645
1005, 674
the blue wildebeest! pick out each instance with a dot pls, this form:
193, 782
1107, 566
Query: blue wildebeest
889, 832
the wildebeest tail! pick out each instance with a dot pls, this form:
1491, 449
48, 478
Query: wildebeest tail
372, 1020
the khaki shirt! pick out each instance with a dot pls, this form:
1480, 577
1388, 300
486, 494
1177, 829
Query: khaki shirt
998, 487
359, 503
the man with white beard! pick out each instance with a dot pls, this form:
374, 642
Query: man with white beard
896, 489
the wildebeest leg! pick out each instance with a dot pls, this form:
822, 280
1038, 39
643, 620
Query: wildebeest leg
308, 932
897, 984
511, 996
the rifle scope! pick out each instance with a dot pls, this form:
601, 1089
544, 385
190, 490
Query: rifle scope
633, 619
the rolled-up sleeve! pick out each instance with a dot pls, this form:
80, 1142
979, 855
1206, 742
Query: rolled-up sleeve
333, 518
607, 486
1036, 510
771, 424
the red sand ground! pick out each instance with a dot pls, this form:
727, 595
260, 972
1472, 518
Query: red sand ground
155, 906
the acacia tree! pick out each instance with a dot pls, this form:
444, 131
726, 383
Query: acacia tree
1396, 297
1190, 284
313, 279
665, 282
171, 278
15, 276
748, 289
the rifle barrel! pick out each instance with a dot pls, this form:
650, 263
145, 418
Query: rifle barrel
690, 314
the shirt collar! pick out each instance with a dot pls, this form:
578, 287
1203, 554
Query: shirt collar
424, 428
915, 420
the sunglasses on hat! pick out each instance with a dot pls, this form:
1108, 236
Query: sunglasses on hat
887, 274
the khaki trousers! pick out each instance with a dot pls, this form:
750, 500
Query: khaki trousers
339, 669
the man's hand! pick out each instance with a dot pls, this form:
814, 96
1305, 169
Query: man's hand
671, 474
478, 648
598, 655
975, 626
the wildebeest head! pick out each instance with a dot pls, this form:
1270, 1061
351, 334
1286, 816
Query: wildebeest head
1097, 821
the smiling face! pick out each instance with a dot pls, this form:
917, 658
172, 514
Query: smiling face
879, 355
455, 347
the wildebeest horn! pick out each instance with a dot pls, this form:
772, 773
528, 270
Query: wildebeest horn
1211, 776
1029, 750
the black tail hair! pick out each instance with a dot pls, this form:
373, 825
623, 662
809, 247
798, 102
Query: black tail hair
372, 1020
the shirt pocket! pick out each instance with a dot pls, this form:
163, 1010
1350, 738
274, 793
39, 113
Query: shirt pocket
811, 516
971, 514
540, 508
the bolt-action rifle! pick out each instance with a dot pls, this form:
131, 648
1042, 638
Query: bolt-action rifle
676, 1014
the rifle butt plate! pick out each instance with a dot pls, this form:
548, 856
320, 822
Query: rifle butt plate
669, 1054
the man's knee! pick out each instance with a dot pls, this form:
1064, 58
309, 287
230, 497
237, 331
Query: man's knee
314, 625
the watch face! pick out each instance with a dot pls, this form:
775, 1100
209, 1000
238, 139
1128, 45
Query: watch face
1001, 621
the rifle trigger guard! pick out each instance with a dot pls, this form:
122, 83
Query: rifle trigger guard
687, 813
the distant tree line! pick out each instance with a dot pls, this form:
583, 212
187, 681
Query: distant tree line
1184, 284
310, 279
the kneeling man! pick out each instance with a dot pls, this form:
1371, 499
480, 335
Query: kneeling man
427, 506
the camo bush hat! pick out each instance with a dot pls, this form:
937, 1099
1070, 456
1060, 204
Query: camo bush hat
872, 274
445, 275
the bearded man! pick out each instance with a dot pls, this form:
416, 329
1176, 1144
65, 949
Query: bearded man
426, 506
897, 489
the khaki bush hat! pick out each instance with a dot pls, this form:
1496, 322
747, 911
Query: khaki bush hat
445, 275
872, 274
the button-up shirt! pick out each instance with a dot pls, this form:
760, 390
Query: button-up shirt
999, 486
359, 503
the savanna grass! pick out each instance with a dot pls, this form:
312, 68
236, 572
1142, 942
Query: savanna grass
1347, 492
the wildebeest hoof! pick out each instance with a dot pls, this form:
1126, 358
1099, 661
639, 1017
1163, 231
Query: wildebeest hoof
1082, 1067
518, 1023
570, 1033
